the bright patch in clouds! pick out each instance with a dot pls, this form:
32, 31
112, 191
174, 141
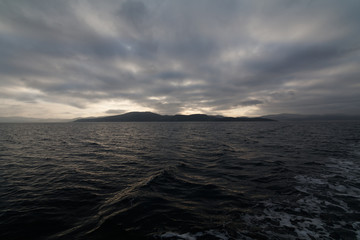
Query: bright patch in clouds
67, 59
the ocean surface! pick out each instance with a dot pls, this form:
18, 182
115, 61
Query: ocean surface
203, 180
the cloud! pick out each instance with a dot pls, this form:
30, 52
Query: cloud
229, 57
115, 111
251, 102
134, 13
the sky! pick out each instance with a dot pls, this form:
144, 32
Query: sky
81, 58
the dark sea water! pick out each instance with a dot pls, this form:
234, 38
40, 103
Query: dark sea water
241, 180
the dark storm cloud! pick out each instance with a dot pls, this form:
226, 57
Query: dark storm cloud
172, 56
291, 59
134, 13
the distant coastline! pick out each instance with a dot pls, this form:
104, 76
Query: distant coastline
154, 117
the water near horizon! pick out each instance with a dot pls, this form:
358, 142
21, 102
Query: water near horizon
242, 180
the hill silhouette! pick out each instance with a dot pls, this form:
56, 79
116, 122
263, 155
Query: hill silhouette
154, 117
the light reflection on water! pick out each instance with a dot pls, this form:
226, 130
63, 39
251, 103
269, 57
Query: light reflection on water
207, 180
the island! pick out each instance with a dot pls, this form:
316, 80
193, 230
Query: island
154, 117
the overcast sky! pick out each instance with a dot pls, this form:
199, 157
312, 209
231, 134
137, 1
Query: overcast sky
66, 59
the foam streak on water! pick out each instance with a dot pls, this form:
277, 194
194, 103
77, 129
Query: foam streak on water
190, 181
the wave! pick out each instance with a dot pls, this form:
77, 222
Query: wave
182, 181
168, 198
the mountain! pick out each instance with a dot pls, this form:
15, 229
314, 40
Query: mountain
154, 117
314, 117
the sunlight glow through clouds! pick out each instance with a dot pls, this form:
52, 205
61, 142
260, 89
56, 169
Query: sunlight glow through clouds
98, 109
235, 57
101, 23
128, 66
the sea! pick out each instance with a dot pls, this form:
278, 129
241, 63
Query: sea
180, 180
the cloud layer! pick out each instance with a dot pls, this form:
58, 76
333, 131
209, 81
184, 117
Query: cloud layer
231, 57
